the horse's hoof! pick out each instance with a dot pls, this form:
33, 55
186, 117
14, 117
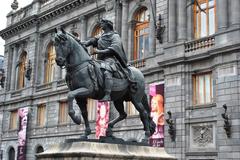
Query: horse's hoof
88, 131
109, 132
145, 140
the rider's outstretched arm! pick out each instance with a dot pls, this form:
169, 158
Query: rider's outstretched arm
91, 42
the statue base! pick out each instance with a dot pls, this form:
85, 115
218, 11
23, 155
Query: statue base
87, 150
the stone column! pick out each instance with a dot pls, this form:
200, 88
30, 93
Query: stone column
222, 10
6, 66
189, 21
83, 29
13, 71
235, 12
181, 20
152, 27
131, 25
124, 33
118, 12
172, 20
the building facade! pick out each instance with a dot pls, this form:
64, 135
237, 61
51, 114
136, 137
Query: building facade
190, 46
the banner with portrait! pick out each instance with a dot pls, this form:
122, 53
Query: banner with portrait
156, 93
22, 131
102, 118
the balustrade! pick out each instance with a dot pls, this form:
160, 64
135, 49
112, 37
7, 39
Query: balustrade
199, 44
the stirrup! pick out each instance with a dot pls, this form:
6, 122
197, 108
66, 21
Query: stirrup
107, 97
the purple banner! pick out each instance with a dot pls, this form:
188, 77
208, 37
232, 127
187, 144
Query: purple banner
156, 93
23, 119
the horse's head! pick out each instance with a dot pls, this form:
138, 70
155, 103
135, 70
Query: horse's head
62, 46
69, 52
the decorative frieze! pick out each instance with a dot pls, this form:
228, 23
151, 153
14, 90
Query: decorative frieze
109, 6
13, 30
40, 19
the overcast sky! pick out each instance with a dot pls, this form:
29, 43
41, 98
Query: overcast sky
5, 8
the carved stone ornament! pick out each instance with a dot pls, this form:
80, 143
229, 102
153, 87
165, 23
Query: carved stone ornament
14, 5
109, 6
202, 135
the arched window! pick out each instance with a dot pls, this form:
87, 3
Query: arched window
21, 70
39, 149
97, 32
141, 34
50, 64
11, 154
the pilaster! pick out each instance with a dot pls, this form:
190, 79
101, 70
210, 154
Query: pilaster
13, 70
222, 14
152, 34
181, 20
83, 28
124, 33
172, 20
235, 12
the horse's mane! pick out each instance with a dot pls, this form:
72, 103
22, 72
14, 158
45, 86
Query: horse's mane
78, 41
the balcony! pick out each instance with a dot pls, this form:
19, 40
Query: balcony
43, 87
138, 63
199, 44
16, 93
61, 83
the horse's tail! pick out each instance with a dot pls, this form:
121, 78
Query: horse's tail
145, 103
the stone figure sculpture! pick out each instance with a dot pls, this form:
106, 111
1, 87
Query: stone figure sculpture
85, 78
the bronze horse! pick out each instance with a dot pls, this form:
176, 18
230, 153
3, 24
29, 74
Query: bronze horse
85, 80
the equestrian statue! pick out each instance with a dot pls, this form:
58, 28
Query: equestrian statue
109, 78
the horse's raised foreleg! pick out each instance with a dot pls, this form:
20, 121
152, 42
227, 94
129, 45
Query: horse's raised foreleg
82, 103
71, 95
122, 115
144, 118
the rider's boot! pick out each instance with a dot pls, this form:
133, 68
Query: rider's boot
108, 86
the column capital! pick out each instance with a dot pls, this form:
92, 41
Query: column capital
124, 2
83, 18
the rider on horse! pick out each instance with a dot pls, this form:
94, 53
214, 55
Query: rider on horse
110, 50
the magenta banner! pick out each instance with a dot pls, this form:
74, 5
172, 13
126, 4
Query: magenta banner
102, 118
23, 119
156, 93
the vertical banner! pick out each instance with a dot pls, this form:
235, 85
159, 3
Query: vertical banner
102, 118
156, 93
22, 131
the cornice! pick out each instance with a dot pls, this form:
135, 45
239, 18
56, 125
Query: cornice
42, 17
33, 97
18, 27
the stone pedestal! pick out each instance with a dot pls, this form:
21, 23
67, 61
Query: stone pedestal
102, 151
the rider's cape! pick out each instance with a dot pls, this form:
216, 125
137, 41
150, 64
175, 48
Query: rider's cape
112, 40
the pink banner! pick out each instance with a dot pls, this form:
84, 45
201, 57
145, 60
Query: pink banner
102, 118
156, 93
23, 119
